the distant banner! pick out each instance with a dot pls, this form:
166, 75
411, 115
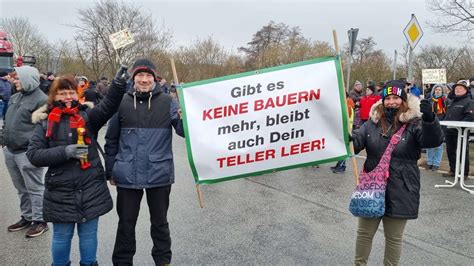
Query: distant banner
267, 120
433, 76
121, 39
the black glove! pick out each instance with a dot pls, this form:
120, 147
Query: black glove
427, 109
122, 75
77, 151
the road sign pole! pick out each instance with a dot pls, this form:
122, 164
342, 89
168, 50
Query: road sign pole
395, 65
352, 34
410, 65
348, 79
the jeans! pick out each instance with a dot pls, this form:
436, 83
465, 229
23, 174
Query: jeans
61, 244
393, 229
4, 109
128, 207
434, 155
29, 181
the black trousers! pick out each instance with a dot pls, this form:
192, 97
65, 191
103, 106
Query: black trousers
451, 146
128, 207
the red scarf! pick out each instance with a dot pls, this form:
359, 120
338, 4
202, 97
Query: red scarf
439, 106
54, 117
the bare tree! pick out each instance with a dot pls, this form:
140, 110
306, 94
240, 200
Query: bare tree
205, 58
363, 49
276, 44
368, 62
458, 62
263, 48
66, 60
45, 55
23, 34
106, 17
27, 40
453, 16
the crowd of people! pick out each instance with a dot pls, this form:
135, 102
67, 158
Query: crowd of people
451, 102
51, 152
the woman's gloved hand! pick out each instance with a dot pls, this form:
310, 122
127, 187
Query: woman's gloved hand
427, 110
76, 151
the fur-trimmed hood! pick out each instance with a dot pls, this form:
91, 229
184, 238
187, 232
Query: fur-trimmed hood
412, 112
42, 112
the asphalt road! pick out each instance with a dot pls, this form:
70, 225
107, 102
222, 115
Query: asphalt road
292, 217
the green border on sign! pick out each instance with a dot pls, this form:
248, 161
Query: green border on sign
190, 85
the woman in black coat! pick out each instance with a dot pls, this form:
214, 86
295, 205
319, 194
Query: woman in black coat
403, 185
76, 190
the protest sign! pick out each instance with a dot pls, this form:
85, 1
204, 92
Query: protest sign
271, 119
121, 39
433, 76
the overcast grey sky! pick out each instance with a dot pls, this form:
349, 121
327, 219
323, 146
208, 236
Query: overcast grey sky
232, 23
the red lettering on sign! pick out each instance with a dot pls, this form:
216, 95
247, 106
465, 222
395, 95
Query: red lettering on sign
246, 158
304, 147
225, 111
287, 99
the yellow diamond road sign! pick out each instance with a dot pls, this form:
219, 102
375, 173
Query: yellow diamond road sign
413, 32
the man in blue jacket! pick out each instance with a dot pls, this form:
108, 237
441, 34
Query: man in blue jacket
139, 157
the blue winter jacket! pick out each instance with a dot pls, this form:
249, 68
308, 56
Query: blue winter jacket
139, 140
5, 90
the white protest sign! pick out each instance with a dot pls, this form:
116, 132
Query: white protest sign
121, 38
433, 76
272, 119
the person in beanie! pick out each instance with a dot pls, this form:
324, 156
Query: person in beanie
103, 86
449, 90
460, 108
18, 129
379, 87
91, 94
367, 101
76, 192
355, 94
82, 86
140, 158
439, 103
46, 82
402, 196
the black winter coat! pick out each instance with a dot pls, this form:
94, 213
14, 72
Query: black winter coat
73, 195
460, 108
402, 196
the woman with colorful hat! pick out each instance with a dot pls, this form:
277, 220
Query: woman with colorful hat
402, 195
